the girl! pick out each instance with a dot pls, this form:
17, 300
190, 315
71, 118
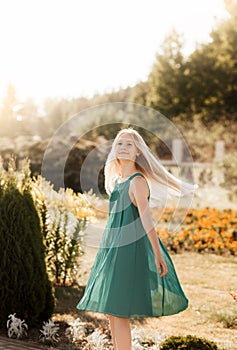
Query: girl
133, 275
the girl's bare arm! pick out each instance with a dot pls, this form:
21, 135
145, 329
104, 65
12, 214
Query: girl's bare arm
139, 193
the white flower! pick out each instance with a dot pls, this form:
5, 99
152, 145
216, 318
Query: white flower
137, 334
138, 337
136, 345
158, 338
97, 340
16, 327
49, 331
77, 329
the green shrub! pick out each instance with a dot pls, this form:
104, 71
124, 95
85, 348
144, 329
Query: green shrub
228, 165
24, 285
227, 317
188, 342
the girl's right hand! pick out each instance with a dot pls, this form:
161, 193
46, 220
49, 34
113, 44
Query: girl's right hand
161, 267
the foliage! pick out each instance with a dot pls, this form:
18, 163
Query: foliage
167, 79
204, 83
76, 329
141, 339
228, 166
16, 328
85, 334
8, 122
64, 216
203, 230
49, 332
188, 342
228, 319
24, 285
201, 138
97, 340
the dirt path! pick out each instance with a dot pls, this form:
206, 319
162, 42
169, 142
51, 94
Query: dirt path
13, 344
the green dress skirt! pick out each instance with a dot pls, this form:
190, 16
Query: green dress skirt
124, 280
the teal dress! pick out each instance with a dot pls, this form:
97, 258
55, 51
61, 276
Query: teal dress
124, 280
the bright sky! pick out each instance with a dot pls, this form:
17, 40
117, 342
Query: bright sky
69, 48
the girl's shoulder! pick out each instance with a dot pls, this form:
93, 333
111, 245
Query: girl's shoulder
138, 177
139, 183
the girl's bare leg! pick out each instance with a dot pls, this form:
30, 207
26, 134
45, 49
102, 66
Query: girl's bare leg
111, 322
122, 333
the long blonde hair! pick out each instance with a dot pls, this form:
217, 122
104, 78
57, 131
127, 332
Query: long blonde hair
161, 182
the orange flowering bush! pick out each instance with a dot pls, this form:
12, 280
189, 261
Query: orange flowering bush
203, 230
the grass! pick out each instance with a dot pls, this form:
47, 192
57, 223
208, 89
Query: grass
227, 317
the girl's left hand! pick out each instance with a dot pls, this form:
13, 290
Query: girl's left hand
161, 267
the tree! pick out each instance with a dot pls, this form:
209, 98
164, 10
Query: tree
29, 117
231, 7
167, 80
8, 121
140, 93
212, 73
225, 50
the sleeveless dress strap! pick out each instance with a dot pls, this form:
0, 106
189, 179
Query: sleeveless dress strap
136, 174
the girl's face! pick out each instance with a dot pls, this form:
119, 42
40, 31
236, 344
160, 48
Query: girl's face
125, 148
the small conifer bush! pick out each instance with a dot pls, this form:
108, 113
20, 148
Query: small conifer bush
188, 342
25, 289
